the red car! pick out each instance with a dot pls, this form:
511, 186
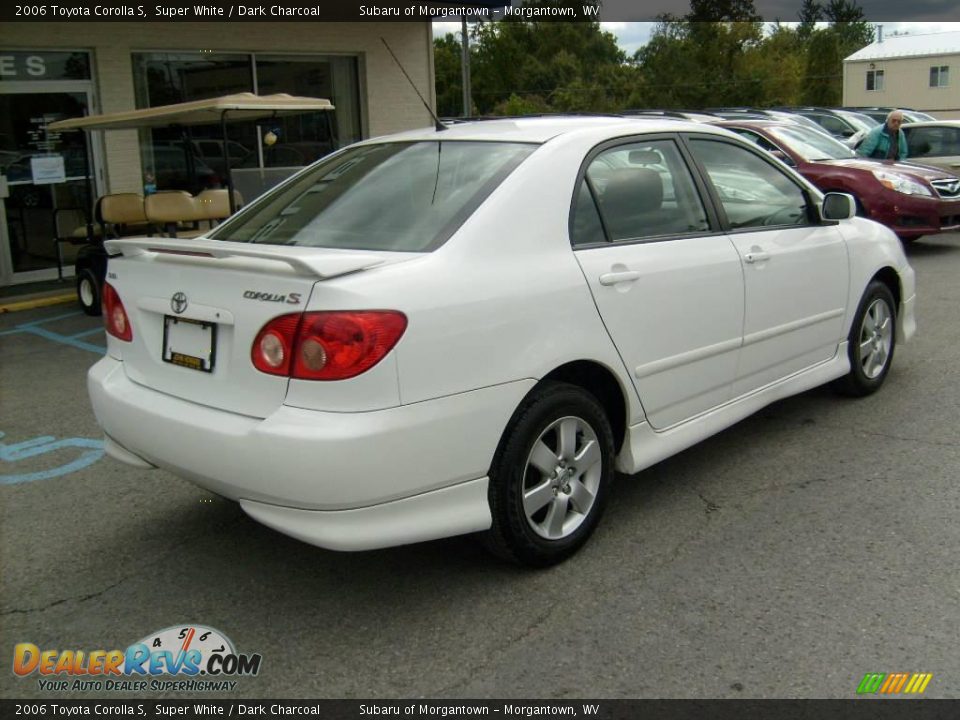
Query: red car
910, 199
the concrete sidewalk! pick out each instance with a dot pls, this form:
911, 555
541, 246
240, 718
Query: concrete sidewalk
35, 295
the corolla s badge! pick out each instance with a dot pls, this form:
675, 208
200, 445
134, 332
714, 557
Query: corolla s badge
178, 303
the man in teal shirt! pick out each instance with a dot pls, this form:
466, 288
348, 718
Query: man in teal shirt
879, 142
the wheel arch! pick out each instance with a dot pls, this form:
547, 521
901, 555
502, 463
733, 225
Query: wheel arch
602, 383
889, 277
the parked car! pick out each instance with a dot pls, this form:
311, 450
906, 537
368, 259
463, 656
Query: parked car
469, 330
847, 126
911, 199
935, 143
880, 113
765, 114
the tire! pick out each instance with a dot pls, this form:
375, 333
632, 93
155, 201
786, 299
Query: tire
88, 292
871, 342
558, 451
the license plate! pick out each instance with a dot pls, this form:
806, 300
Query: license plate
189, 343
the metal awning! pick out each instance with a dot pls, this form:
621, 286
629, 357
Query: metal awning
233, 108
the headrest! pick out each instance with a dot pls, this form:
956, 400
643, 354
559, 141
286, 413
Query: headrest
214, 204
171, 206
632, 190
121, 209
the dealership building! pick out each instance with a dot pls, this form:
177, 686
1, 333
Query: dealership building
52, 71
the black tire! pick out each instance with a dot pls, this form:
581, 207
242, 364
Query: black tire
870, 348
549, 410
88, 292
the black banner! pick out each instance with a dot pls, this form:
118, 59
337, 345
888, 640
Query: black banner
873, 709
426, 10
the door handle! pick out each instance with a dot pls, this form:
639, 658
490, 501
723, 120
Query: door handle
756, 255
612, 278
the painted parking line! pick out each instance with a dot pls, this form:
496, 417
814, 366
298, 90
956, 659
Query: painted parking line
41, 445
34, 328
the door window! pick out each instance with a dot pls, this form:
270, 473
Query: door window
753, 192
643, 190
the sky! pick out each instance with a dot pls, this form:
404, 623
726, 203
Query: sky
631, 36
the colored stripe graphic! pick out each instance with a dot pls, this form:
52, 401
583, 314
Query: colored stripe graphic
894, 683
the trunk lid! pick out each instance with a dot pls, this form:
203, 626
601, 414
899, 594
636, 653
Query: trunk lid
196, 307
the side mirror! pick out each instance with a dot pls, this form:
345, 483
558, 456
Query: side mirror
783, 157
838, 206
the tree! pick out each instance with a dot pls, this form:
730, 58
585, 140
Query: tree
447, 62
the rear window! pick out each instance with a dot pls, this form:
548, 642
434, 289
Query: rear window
394, 196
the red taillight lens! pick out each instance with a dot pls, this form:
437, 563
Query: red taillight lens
327, 345
114, 315
273, 346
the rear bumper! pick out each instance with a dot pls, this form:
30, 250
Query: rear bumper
339, 480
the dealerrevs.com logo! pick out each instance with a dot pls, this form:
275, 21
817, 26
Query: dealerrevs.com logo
200, 658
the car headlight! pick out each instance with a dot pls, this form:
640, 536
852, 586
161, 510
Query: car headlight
901, 183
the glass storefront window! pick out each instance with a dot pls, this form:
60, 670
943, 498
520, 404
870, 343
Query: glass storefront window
192, 158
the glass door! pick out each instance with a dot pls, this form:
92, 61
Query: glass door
46, 174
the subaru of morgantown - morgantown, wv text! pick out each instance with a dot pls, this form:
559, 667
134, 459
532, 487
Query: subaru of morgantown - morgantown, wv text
469, 330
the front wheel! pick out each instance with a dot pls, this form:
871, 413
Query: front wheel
871, 342
549, 479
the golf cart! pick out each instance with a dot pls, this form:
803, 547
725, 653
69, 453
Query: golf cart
130, 213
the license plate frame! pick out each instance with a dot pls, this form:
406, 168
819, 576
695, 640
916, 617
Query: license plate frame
190, 344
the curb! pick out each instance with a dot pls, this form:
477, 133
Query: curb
36, 303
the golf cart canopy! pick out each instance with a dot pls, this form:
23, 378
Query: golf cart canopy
242, 106
228, 108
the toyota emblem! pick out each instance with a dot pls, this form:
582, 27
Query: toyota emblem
178, 303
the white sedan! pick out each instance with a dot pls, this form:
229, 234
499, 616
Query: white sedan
469, 330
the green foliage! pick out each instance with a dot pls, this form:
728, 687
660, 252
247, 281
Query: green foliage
447, 63
716, 54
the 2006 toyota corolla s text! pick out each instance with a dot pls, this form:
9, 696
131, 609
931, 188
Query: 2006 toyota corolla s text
469, 330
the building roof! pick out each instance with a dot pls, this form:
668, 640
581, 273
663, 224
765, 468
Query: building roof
903, 46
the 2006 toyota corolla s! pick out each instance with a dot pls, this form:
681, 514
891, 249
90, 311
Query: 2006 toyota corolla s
469, 330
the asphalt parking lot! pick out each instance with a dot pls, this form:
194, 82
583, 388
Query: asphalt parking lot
785, 557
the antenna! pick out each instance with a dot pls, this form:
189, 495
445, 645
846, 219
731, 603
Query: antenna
437, 124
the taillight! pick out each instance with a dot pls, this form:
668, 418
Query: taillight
327, 345
114, 315
273, 346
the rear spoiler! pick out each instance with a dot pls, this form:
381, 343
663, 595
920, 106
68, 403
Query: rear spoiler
320, 262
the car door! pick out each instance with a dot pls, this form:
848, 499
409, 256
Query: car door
795, 266
667, 283
935, 145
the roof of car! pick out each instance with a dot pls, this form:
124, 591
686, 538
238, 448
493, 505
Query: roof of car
542, 128
751, 122
933, 123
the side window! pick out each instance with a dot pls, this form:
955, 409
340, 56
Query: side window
757, 140
951, 141
924, 142
586, 228
832, 125
752, 192
643, 190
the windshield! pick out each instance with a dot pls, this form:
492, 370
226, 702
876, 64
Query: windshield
409, 196
811, 145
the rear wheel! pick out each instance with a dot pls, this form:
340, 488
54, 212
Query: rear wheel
871, 342
549, 480
88, 292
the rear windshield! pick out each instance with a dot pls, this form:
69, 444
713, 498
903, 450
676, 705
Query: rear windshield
393, 196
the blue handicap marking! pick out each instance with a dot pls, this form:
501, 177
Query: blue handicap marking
46, 444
